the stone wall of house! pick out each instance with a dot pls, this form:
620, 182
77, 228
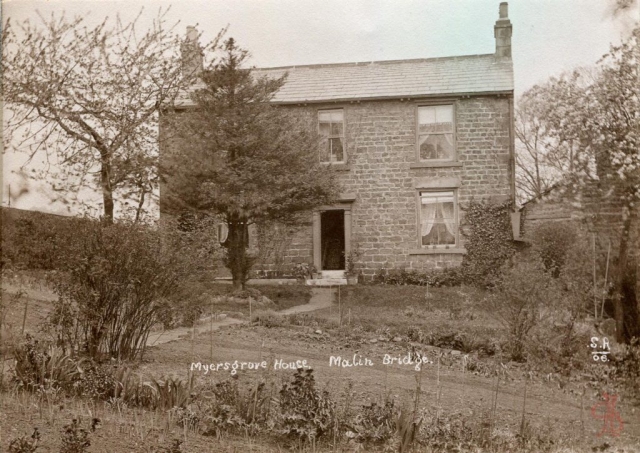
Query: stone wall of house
383, 174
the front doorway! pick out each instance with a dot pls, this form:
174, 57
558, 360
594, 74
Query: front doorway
332, 240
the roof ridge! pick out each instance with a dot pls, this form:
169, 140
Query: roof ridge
375, 62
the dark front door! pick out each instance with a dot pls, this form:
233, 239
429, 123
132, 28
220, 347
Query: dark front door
332, 240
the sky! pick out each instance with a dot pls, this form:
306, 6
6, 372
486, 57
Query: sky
549, 36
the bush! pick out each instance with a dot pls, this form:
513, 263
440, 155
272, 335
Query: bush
375, 424
96, 382
552, 242
233, 409
627, 368
441, 277
115, 281
76, 439
23, 444
305, 412
34, 240
524, 289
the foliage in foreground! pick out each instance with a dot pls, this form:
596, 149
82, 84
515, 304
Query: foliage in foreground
117, 283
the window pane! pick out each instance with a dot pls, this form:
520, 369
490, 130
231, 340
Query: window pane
336, 129
324, 129
337, 151
324, 116
437, 218
444, 114
336, 116
428, 147
436, 146
426, 115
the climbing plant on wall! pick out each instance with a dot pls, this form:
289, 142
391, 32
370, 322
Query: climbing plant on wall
487, 228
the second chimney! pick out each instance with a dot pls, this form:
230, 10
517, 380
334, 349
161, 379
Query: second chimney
192, 57
502, 32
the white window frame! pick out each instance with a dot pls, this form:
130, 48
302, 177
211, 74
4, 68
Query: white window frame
329, 137
445, 193
454, 156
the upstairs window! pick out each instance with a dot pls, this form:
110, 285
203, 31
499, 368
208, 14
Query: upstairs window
438, 219
435, 133
331, 128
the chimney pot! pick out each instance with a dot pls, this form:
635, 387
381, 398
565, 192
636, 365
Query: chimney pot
504, 10
192, 33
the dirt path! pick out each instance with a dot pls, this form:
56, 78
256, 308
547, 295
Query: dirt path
548, 406
320, 298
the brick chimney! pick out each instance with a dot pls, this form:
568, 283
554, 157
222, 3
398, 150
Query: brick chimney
192, 55
502, 32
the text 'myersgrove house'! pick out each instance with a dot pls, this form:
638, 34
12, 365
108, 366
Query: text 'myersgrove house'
413, 140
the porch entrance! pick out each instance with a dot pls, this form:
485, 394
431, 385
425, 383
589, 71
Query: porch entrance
332, 240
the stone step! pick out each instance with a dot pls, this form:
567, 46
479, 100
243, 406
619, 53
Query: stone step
326, 282
333, 274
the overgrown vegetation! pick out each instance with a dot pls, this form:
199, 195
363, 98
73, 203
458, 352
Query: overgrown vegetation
117, 281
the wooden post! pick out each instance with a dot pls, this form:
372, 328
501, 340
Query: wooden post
595, 302
24, 317
604, 287
211, 330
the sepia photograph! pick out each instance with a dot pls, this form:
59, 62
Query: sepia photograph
335, 226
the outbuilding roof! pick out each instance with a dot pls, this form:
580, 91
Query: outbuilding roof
427, 77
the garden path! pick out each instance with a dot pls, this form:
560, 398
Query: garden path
320, 298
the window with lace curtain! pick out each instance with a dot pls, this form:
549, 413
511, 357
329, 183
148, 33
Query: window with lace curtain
438, 219
436, 133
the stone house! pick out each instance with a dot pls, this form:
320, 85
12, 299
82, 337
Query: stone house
413, 141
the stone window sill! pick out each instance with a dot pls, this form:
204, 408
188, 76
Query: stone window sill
434, 164
438, 251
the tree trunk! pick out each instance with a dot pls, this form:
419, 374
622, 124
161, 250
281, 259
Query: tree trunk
107, 191
140, 204
237, 260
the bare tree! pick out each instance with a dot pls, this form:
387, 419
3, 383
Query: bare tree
90, 97
542, 158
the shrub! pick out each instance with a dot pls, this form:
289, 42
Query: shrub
97, 382
76, 439
305, 412
627, 367
23, 444
232, 409
375, 424
551, 242
34, 240
441, 277
268, 318
40, 365
116, 276
524, 289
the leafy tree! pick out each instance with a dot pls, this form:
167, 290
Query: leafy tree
243, 158
599, 112
90, 97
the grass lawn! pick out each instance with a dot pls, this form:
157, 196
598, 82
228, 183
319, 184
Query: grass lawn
456, 318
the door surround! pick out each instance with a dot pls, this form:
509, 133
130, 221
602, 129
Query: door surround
317, 231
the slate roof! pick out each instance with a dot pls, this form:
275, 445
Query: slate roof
471, 74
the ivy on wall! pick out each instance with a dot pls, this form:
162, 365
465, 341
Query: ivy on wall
487, 228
